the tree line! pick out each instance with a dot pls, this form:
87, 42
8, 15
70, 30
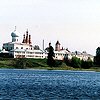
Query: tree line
74, 62
77, 63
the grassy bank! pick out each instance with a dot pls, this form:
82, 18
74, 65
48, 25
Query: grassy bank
38, 64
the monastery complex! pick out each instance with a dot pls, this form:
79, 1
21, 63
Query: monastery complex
25, 49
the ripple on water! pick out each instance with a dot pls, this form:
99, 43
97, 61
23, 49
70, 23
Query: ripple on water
50, 85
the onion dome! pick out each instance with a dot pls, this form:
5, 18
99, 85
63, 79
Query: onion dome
15, 33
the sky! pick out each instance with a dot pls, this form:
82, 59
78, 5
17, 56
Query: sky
75, 23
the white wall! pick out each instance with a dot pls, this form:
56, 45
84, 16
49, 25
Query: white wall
22, 46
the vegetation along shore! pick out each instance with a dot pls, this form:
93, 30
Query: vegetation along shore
23, 63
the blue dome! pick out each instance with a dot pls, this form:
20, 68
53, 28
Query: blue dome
14, 34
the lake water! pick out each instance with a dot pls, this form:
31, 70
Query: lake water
49, 85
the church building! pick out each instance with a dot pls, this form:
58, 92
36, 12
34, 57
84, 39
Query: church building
21, 50
15, 44
25, 49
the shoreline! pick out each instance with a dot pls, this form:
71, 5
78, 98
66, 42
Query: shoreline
92, 69
48, 70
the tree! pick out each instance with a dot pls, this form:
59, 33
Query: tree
23, 63
50, 60
75, 62
97, 57
67, 61
87, 64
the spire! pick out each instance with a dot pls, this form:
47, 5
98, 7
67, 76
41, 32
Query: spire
43, 44
27, 40
24, 39
15, 28
27, 31
30, 39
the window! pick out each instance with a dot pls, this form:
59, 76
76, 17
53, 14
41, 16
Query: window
16, 47
23, 52
21, 47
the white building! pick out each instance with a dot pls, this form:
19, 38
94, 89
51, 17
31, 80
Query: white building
27, 50
15, 45
82, 56
25, 53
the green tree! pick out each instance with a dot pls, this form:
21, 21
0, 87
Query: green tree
67, 61
50, 60
87, 64
97, 57
23, 63
75, 62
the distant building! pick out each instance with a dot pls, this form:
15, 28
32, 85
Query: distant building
16, 45
83, 56
57, 46
25, 49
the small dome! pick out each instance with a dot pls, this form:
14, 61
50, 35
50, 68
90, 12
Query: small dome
57, 43
14, 34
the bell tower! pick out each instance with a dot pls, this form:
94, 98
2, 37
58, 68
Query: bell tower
57, 46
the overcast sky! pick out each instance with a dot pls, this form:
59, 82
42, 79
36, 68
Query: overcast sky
75, 23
